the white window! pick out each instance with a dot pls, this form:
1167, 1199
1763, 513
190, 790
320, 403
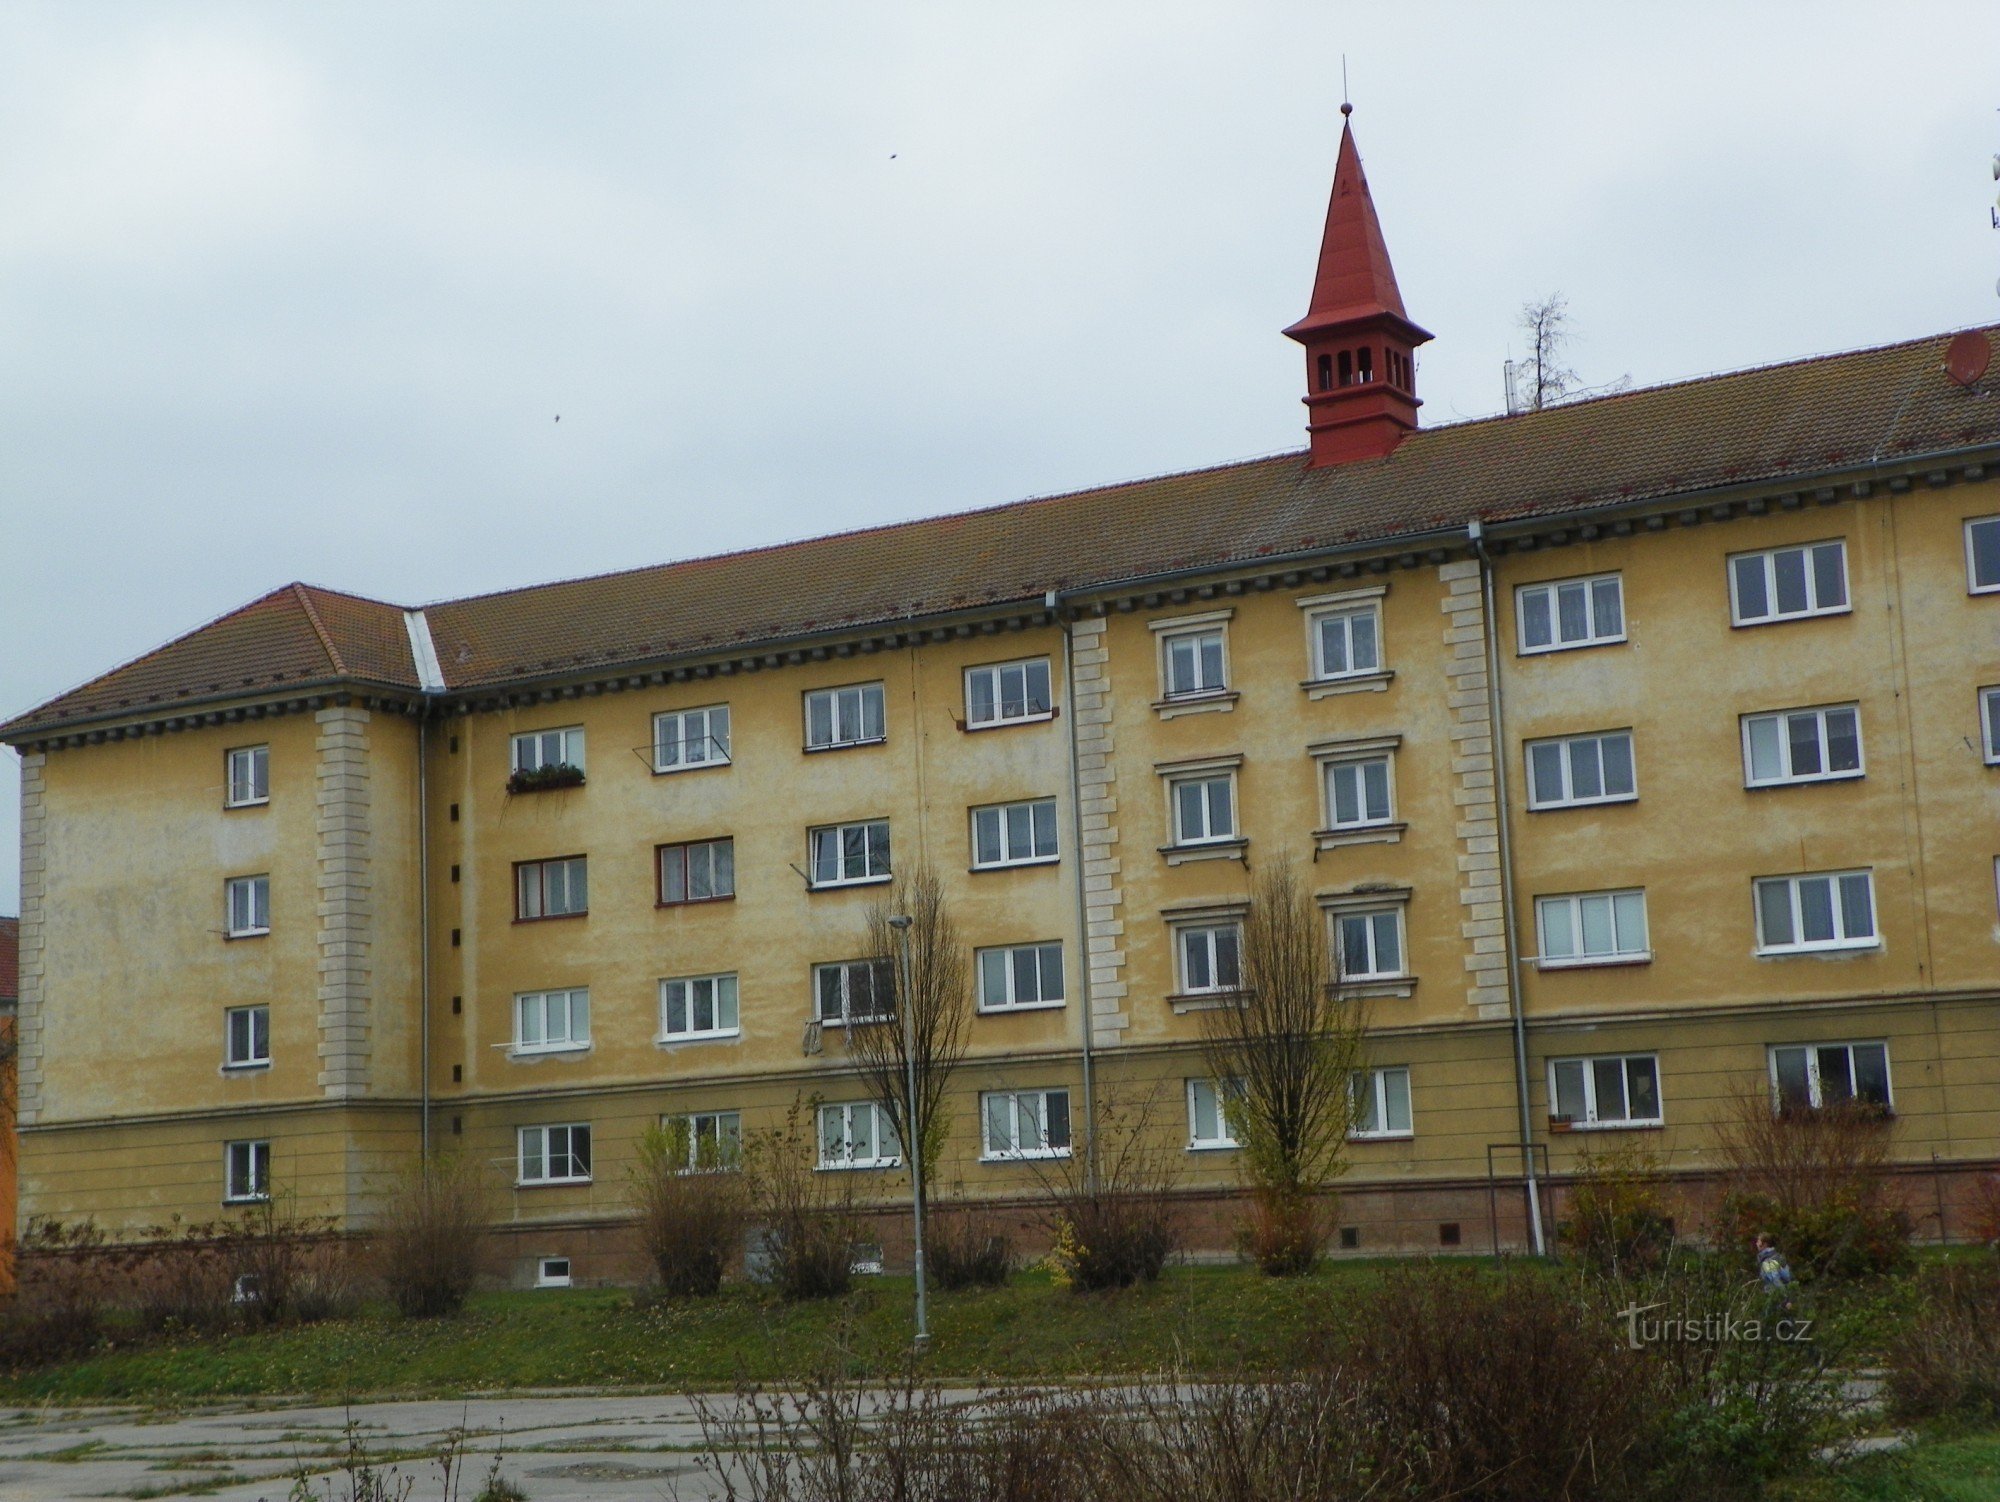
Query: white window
1381, 1103
1801, 745
1210, 957
552, 889
1982, 554
551, 1021
1014, 834
1025, 1123
246, 1037
1208, 1114
1358, 793
246, 1170
1020, 976
1826, 910
1989, 724
1592, 928
1823, 1074
1347, 643
688, 738
854, 991
1581, 769
713, 1140
555, 1154
703, 871
1610, 1090
552, 1272
698, 1006
249, 776
1204, 808
1194, 663
1003, 692
857, 1135
538, 750
1571, 613
844, 854
1371, 944
249, 906
1785, 583
844, 716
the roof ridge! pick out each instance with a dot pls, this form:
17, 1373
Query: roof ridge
300, 594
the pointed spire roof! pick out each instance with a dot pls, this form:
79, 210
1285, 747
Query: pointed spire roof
1355, 279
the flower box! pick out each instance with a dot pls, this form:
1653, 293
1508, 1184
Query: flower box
542, 779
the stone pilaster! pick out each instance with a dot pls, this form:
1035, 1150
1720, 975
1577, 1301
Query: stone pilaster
34, 893
1470, 699
1097, 807
345, 850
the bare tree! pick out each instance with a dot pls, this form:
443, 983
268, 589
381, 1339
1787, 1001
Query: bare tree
1547, 380
927, 1026
1284, 1050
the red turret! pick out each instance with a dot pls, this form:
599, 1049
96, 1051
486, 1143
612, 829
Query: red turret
1361, 389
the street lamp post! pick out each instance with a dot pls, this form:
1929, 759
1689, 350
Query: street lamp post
913, 1136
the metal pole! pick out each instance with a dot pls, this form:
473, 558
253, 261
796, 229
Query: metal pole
913, 1144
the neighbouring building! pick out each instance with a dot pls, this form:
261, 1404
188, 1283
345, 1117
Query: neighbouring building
1641, 751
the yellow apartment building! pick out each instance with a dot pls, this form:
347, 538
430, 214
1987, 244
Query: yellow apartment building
1641, 751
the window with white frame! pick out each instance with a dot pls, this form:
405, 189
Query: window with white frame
246, 1037
1358, 792
1606, 1090
698, 1006
536, 750
551, 889
1982, 554
1016, 977
1782, 584
1025, 1124
1812, 1075
1004, 692
1014, 834
249, 776
1989, 724
1592, 928
851, 716
1819, 910
249, 903
554, 1154
1802, 745
1193, 663
684, 739
845, 854
1570, 613
1574, 770
1370, 943
552, 1021
854, 991
246, 1171
1210, 956
552, 1272
1381, 1102
1208, 1114
1347, 641
1204, 808
857, 1134
706, 1141
699, 871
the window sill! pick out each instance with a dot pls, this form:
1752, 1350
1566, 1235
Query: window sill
1019, 1006
249, 1066
1213, 1147
554, 917
1556, 808
1612, 1126
1381, 1136
868, 1021
1217, 701
1572, 646
675, 1040
246, 1199
1039, 860
865, 1166
247, 803
1596, 961
858, 881
1378, 987
248, 933
698, 901
693, 766
547, 1050
1043, 717
1211, 850
1788, 617
1822, 951
1038, 1155
1348, 683
551, 1183
1360, 834
1804, 782
1198, 1001
809, 750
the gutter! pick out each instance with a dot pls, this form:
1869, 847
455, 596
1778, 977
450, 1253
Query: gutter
1053, 602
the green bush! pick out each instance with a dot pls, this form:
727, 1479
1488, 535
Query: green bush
1944, 1360
1618, 1220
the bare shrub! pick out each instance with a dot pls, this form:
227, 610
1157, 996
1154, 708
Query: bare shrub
808, 1216
1112, 1215
1618, 1220
1816, 1179
68, 1278
185, 1279
430, 1244
965, 1248
691, 1203
1944, 1361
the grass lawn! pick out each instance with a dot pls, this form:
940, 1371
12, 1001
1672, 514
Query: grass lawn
1207, 1318
1936, 1469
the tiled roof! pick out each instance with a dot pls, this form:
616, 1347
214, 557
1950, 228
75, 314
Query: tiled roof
10, 959
1773, 424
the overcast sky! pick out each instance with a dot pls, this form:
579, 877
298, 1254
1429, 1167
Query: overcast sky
298, 292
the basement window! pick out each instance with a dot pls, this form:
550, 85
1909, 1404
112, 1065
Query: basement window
552, 1272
